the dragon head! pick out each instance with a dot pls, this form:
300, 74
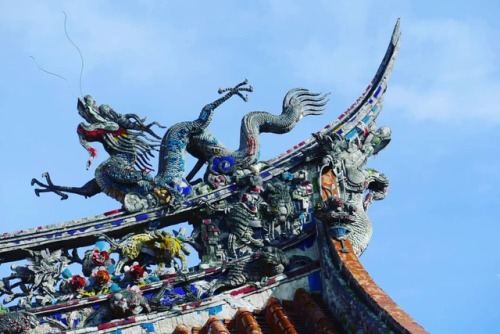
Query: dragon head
118, 133
95, 128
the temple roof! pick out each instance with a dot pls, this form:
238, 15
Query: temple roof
305, 314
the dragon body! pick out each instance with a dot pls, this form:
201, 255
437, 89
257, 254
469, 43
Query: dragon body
130, 143
297, 103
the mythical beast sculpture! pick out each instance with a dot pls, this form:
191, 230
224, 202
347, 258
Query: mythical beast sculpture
347, 188
131, 143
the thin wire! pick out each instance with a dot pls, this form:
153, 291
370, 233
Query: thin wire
54, 74
79, 52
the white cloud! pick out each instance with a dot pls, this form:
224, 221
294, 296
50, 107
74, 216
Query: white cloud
448, 71
137, 45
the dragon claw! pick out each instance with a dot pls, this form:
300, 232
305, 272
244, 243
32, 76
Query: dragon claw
49, 187
236, 90
244, 82
243, 97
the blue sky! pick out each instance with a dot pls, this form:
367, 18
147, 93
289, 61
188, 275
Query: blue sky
434, 248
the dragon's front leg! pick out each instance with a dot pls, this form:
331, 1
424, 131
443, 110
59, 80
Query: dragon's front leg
175, 142
89, 189
207, 112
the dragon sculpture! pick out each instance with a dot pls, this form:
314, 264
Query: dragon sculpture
130, 143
